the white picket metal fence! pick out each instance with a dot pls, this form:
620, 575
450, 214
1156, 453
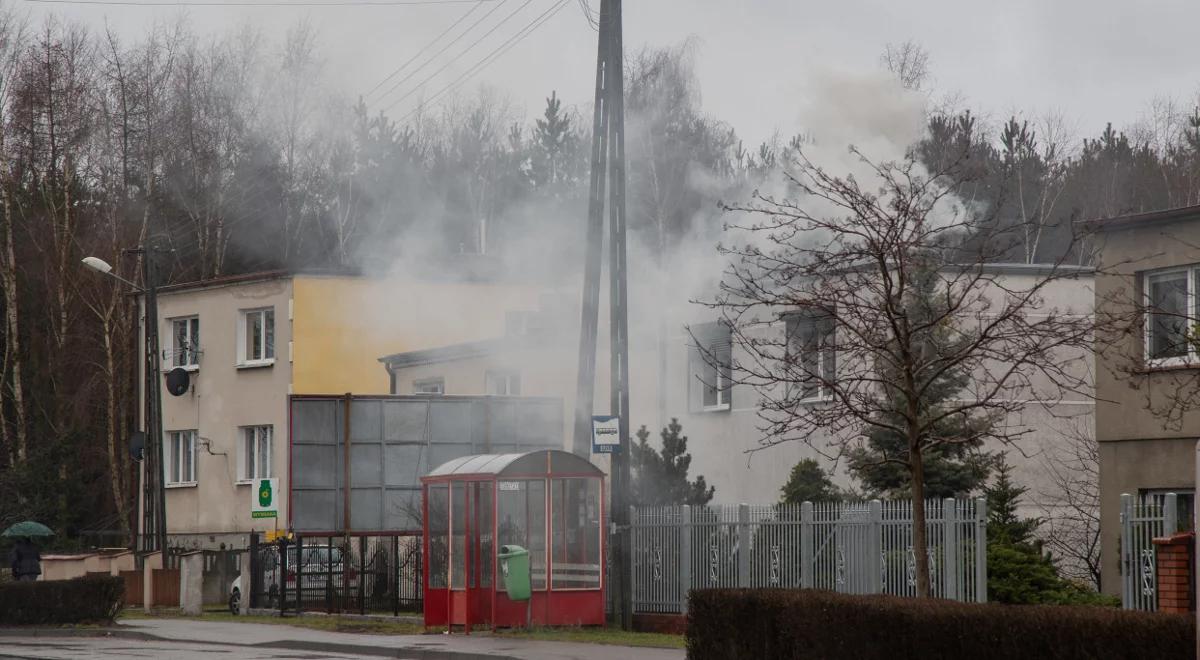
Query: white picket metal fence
850, 547
1142, 520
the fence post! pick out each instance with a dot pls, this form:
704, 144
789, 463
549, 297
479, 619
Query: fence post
362, 579
395, 584
685, 556
299, 574
950, 557
1127, 572
875, 547
806, 545
743, 540
981, 579
254, 589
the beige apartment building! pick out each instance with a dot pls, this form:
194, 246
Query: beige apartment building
1147, 420
249, 342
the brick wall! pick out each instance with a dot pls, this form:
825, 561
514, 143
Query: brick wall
1174, 572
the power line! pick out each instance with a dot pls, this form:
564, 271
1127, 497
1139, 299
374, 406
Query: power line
412, 59
256, 3
445, 48
456, 57
589, 14
490, 57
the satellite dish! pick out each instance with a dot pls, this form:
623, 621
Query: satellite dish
178, 380
137, 446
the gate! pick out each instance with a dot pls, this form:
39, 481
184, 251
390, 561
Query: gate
1142, 520
335, 574
850, 547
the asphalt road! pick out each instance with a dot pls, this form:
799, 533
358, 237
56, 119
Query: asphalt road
167, 639
65, 648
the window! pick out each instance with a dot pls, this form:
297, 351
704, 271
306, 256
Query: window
256, 337
255, 453
502, 383
179, 458
430, 386
185, 341
811, 356
1171, 304
711, 377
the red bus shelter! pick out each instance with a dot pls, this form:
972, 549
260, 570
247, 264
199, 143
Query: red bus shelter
549, 502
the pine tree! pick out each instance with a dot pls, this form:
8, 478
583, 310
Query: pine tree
809, 483
954, 463
661, 478
554, 139
1019, 570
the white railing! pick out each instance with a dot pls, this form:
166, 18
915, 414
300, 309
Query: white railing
850, 547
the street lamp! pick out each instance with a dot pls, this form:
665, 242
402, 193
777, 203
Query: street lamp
154, 506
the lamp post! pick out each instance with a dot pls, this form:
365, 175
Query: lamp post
153, 528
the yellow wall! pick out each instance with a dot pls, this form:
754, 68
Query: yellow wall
341, 326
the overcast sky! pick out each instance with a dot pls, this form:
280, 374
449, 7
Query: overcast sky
1094, 61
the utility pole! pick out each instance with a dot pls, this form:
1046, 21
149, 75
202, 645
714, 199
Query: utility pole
608, 167
154, 504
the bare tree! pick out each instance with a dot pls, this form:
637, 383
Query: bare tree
1071, 504
885, 300
909, 62
12, 43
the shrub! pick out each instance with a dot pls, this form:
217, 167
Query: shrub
86, 599
765, 624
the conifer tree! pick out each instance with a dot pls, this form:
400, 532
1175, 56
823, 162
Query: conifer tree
660, 478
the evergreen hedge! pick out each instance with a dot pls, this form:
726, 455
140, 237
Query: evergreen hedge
769, 624
95, 598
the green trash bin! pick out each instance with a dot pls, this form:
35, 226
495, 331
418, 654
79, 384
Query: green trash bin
514, 566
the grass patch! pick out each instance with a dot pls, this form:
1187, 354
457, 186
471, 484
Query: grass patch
326, 623
595, 635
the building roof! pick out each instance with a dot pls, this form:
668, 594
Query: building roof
1148, 217
542, 461
445, 353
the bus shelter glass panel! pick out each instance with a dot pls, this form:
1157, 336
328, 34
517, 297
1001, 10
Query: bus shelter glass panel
522, 508
575, 519
438, 521
484, 551
458, 535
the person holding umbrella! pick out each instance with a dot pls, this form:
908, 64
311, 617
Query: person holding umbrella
26, 560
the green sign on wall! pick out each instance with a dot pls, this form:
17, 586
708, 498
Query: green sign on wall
263, 499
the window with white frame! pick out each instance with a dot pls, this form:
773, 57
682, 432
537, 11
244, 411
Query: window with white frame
429, 386
256, 336
811, 355
1170, 310
185, 341
711, 372
179, 458
255, 453
502, 383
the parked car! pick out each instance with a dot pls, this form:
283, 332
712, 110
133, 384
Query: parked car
322, 565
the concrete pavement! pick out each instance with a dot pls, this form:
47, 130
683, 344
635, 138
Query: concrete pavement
184, 638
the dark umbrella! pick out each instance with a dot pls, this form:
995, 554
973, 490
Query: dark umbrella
27, 528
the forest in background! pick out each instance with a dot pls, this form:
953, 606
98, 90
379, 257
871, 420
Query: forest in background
230, 151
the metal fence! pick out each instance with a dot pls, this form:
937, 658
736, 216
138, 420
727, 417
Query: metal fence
362, 574
1142, 520
850, 547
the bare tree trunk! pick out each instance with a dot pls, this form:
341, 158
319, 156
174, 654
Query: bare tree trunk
12, 324
916, 464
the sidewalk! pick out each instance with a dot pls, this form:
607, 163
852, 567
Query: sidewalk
425, 647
